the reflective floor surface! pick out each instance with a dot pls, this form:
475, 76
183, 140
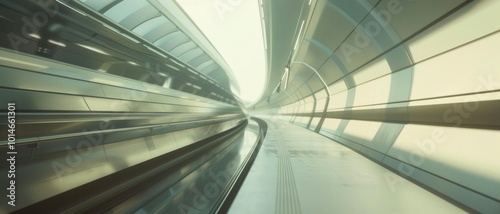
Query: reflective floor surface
299, 171
198, 192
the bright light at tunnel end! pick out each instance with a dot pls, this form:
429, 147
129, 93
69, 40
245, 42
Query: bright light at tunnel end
235, 29
251, 90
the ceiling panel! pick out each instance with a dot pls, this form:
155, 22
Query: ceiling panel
154, 22
311, 54
330, 72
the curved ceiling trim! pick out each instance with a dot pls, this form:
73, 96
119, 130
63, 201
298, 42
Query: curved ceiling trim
165, 25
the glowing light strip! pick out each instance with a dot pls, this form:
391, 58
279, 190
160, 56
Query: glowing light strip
287, 75
92, 49
298, 36
34, 35
57, 43
80, 12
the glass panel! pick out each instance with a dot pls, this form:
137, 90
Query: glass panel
476, 72
338, 100
314, 123
337, 87
331, 124
361, 131
406, 17
320, 105
374, 92
463, 26
371, 71
150, 25
465, 156
124, 9
320, 94
97, 4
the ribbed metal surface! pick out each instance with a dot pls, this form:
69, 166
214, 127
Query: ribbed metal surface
148, 22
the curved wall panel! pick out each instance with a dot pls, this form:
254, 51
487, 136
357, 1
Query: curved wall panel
415, 91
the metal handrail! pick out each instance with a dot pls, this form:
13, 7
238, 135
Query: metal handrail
323, 116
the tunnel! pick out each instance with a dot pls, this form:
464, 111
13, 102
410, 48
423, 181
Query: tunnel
367, 106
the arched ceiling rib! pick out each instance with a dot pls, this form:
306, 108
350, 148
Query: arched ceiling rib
341, 40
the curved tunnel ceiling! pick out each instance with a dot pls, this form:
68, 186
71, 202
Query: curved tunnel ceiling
281, 20
147, 20
396, 81
338, 39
